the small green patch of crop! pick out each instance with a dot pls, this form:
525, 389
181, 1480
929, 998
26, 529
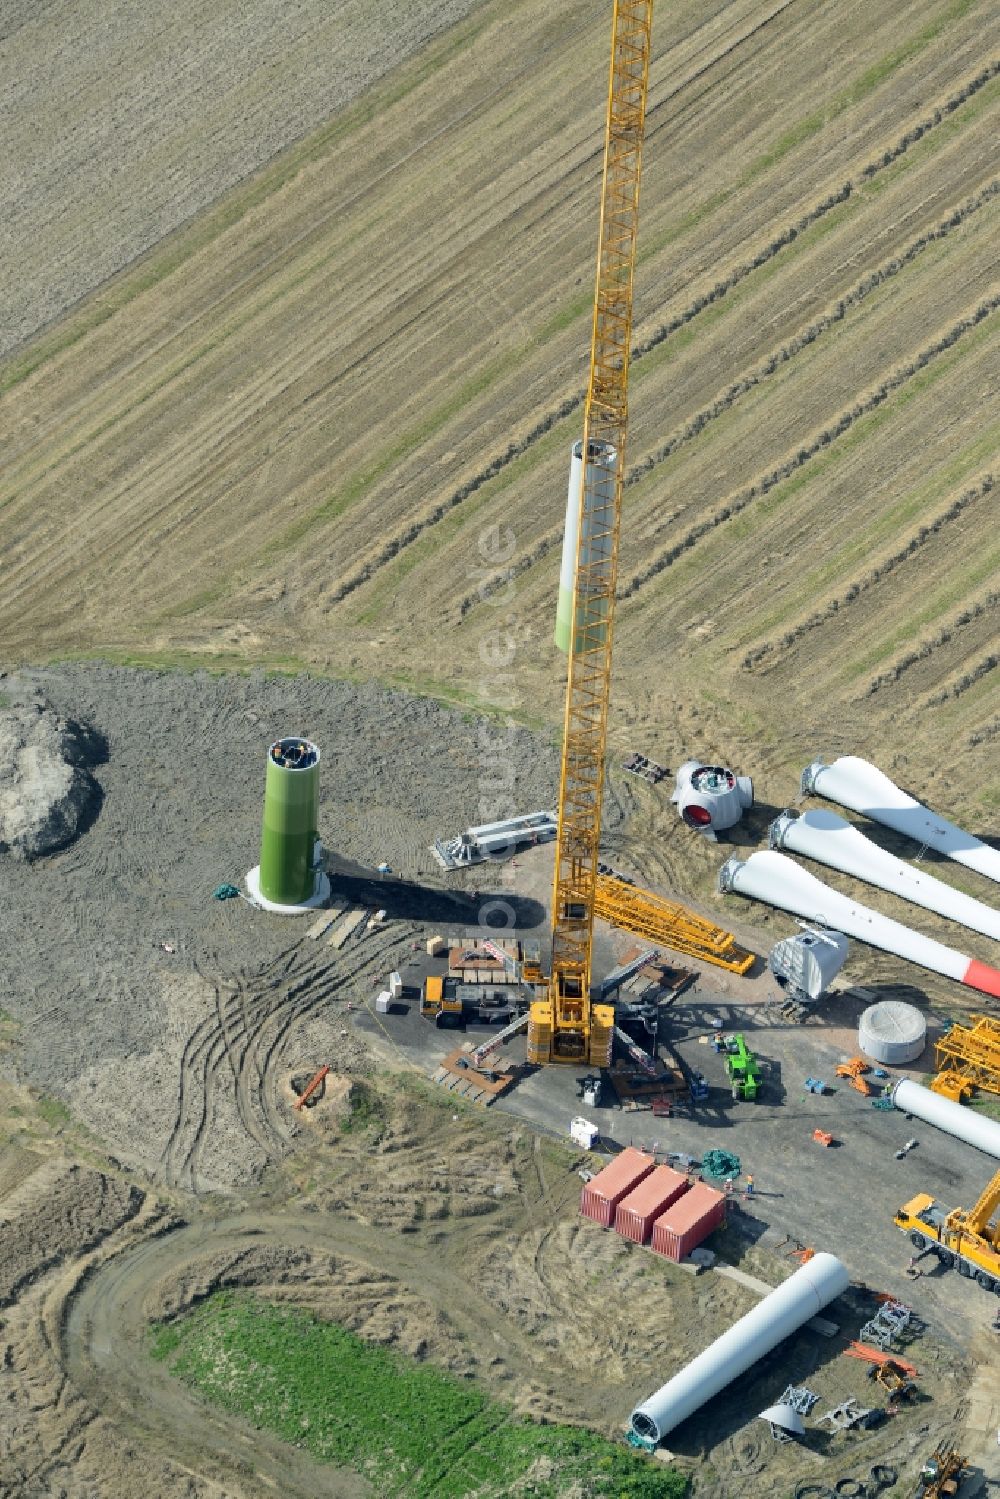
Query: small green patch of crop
367, 1109
53, 1111
410, 1429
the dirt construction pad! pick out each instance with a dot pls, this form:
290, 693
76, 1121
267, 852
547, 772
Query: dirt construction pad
447, 1232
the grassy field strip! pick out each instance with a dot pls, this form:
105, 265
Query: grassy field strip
960, 108
810, 125
984, 609
291, 278
534, 570
936, 604
777, 359
338, 505
186, 243
817, 520
396, 566
807, 337
867, 407
931, 484
412, 1430
642, 371
338, 508
887, 529
875, 279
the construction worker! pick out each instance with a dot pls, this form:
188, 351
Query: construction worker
749, 1187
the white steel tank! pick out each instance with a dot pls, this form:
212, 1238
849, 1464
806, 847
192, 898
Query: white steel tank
892, 1032
965, 1124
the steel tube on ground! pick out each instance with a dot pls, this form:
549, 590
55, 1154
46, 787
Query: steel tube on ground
831, 840
975, 1129
805, 1293
779, 881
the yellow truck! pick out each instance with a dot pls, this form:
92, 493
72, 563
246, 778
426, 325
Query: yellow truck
969, 1241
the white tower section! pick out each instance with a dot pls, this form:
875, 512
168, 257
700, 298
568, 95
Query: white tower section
805, 1293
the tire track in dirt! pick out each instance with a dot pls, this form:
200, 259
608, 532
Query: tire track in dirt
204, 1052
807, 451
405, 537
860, 586
250, 1019
103, 1319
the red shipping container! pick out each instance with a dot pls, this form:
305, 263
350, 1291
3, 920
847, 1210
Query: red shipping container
640, 1209
603, 1194
688, 1221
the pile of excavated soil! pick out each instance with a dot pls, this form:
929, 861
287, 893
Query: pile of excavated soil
60, 1211
47, 791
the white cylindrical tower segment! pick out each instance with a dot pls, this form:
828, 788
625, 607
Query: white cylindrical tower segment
598, 500
892, 1032
805, 1293
975, 1129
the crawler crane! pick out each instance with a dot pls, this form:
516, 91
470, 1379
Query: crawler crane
566, 1026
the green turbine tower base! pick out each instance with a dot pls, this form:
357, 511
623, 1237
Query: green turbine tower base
288, 878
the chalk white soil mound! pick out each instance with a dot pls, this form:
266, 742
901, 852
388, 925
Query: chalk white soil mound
47, 792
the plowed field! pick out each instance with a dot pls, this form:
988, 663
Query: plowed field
286, 436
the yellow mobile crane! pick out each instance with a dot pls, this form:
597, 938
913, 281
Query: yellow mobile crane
565, 1026
969, 1240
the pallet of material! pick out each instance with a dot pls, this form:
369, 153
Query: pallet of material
323, 924
350, 923
466, 1081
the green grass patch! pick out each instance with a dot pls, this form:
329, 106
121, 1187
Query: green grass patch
215, 663
367, 1111
53, 1111
986, 1103
409, 1428
458, 697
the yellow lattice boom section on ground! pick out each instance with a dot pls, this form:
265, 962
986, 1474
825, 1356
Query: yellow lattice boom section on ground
565, 1027
668, 924
969, 1056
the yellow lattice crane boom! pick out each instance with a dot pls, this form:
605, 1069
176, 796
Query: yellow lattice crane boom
565, 1026
969, 1057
